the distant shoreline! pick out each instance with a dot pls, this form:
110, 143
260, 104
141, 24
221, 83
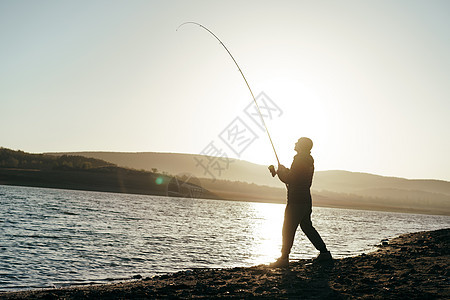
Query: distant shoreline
118, 180
80, 180
143, 183
138, 174
413, 266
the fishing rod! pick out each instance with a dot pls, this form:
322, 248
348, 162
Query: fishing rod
245, 79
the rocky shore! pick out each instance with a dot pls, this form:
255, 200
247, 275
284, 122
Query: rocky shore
412, 266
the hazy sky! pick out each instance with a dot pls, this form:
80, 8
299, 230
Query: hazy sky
368, 81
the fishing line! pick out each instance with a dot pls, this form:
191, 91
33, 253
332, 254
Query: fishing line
245, 79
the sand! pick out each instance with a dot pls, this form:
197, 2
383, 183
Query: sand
412, 266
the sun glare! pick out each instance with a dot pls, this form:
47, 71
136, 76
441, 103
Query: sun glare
303, 113
269, 224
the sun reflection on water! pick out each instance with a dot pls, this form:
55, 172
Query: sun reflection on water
267, 226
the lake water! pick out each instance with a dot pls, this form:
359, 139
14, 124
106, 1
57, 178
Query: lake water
53, 238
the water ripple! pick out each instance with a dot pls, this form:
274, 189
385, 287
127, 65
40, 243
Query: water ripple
55, 238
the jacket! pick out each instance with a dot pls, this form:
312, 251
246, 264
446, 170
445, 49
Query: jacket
298, 178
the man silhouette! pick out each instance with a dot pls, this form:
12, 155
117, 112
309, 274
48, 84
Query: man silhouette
298, 210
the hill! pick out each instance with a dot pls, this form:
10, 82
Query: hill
330, 188
339, 189
81, 173
178, 163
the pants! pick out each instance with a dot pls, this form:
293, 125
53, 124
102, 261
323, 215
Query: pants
299, 214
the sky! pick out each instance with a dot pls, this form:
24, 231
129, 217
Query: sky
367, 81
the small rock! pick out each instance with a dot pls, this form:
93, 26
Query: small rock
435, 269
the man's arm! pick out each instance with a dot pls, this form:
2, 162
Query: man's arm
299, 169
300, 172
285, 174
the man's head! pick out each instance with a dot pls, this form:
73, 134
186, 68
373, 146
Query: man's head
303, 144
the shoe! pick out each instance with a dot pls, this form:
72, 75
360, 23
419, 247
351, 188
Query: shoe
323, 257
280, 263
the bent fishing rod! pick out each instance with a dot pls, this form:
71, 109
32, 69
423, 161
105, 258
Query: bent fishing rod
245, 79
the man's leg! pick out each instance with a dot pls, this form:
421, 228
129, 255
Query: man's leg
312, 234
290, 225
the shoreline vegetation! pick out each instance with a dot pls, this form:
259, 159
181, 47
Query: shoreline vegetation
76, 172
411, 266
